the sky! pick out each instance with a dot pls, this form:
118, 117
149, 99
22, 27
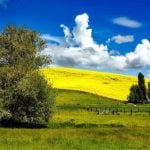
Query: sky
101, 35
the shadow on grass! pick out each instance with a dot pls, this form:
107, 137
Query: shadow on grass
15, 124
69, 124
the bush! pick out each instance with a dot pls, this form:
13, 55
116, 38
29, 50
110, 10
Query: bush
32, 102
134, 94
3, 112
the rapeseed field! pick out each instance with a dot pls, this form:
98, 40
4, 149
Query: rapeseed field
109, 85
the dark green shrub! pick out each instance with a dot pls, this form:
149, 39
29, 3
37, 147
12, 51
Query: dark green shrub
134, 94
138, 92
32, 102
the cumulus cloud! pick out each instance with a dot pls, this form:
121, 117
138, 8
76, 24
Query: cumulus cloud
67, 35
126, 22
119, 39
81, 32
140, 57
82, 51
114, 52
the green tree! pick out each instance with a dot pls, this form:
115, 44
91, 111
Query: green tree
138, 92
32, 101
20, 55
142, 87
134, 94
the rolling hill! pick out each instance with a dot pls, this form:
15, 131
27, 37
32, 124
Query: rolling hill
111, 85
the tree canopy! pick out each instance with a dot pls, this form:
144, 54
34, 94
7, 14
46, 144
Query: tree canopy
138, 92
20, 56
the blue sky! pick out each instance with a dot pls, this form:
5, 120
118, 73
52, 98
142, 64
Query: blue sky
120, 25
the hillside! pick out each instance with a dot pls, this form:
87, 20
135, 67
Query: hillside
109, 85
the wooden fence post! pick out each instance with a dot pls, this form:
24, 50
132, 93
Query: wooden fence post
98, 111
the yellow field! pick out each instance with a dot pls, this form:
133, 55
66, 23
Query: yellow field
109, 85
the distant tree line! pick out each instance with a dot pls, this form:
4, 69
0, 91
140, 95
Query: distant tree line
26, 99
138, 92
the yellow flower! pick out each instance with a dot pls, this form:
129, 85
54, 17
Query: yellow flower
111, 85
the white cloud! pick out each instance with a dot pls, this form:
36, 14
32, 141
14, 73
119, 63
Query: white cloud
68, 34
119, 39
114, 52
140, 57
126, 22
54, 39
82, 51
81, 32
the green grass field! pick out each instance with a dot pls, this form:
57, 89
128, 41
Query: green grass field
76, 139
74, 127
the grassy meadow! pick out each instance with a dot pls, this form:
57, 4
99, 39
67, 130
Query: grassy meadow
75, 139
109, 85
74, 127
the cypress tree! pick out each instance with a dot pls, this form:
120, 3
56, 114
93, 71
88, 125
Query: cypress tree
142, 87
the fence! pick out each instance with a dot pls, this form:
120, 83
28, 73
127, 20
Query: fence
117, 111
